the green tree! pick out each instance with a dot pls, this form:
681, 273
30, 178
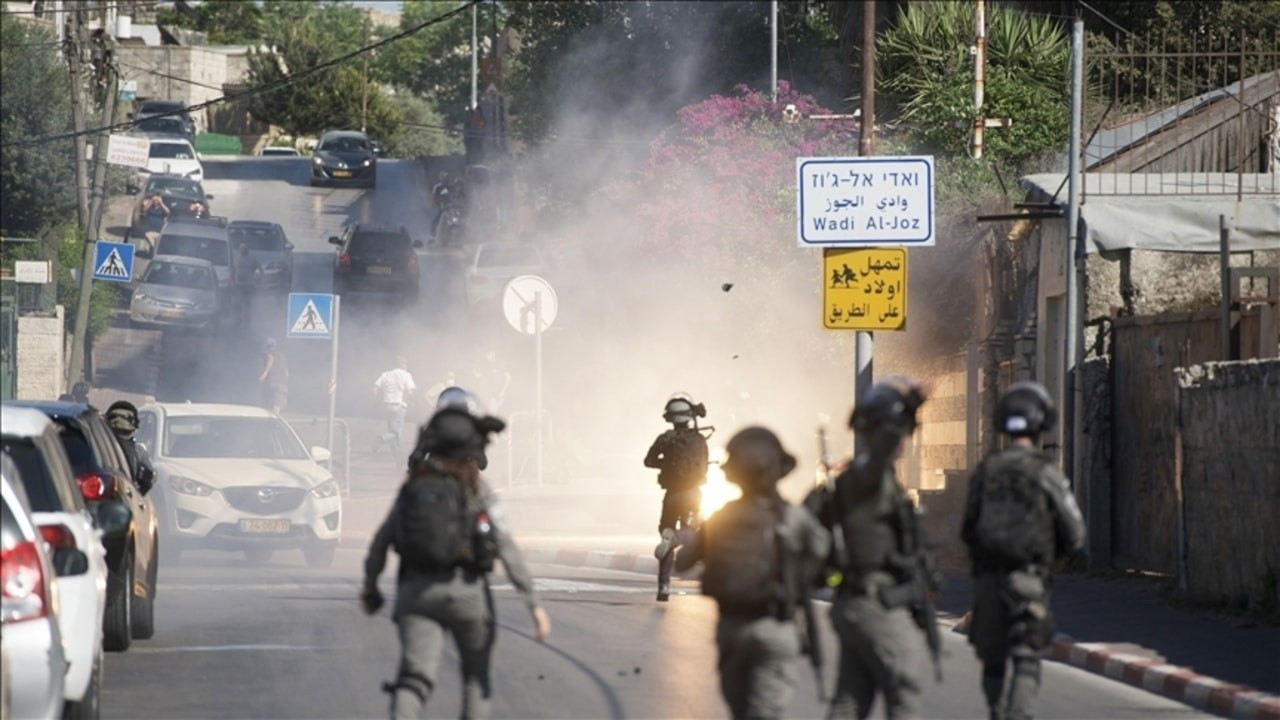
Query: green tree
37, 187
925, 77
230, 22
435, 62
304, 36
420, 131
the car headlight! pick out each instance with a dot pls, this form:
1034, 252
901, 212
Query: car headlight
326, 489
317, 159
367, 162
187, 486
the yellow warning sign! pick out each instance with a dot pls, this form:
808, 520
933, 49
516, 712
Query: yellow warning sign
864, 288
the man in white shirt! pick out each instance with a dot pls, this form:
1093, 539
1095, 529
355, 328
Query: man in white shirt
393, 389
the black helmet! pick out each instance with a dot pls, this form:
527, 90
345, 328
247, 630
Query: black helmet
122, 416
1025, 410
456, 397
681, 409
890, 405
80, 391
455, 433
756, 453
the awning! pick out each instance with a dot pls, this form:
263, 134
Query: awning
1170, 212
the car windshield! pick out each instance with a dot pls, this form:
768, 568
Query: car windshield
279, 151
257, 238
344, 144
170, 125
36, 477
176, 151
180, 275
213, 250
174, 186
378, 244
159, 106
508, 256
231, 437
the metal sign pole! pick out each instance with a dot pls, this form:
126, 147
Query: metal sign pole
537, 334
333, 379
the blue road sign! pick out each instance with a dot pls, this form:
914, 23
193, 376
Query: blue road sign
113, 261
310, 316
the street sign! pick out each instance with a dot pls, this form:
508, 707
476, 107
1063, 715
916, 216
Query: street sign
527, 302
34, 272
113, 262
310, 316
864, 201
128, 150
864, 289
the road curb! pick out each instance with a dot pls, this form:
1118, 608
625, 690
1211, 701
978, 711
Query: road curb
597, 559
1172, 681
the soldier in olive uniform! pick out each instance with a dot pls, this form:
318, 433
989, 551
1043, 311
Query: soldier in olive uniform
444, 502
882, 650
1020, 516
761, 554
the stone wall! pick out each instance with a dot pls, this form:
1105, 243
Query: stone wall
40, 356
1229, 473
158, 72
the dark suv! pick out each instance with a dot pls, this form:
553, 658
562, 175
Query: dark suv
374, 259
125, 514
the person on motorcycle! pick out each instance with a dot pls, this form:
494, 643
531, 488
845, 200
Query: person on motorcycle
680, 455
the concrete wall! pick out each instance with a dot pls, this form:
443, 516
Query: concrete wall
39, 356
149, 66
940, 443
1229, 452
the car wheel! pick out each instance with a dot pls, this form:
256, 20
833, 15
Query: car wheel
320, 555
258, 556
144, 608
90, 706
117, 633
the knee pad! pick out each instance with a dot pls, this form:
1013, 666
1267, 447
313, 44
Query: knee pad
414, 683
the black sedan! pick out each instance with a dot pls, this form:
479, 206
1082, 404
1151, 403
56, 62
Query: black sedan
124, 513
344, 157
166, 197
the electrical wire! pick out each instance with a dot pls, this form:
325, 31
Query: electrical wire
80, 6
261, 89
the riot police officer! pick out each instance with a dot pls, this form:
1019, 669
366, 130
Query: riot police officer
680, 456
882, 650
122, 418
1019, 517
448, 529
760, 555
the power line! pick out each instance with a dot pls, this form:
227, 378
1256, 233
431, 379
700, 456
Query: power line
80, 6
261, 89
167, 76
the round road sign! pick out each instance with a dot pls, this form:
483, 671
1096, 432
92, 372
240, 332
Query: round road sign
527, 298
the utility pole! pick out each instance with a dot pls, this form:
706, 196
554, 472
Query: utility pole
475, 55
773, 51
1073, 407
364, 79
74, 53
979, 75
864, 345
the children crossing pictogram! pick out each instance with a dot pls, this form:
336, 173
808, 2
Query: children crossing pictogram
113, 261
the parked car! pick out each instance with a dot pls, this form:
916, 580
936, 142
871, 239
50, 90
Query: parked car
278, 151
182, 197
269, 245
377, 260
237, 478
124, 512
168, 108
176, 290
162, 127
496, 264
31, 439
203, 239
29, 632
172, 156
344, 157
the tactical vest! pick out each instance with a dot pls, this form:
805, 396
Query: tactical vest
871, 525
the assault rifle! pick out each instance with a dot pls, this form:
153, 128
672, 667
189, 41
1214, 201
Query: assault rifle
813, 635
924, 581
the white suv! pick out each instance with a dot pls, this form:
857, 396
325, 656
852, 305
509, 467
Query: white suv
58, 509
236, 477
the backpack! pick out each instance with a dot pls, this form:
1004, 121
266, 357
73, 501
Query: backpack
685, 462
1014, 524
435, 524
743, 558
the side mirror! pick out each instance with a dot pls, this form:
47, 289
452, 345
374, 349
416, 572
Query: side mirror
70, 561
320, 454
207, 196
335, 240
288, 246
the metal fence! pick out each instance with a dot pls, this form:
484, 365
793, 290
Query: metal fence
1201, 111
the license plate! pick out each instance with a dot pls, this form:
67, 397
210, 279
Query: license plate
342, 173
171, 314
264, 526
378, 270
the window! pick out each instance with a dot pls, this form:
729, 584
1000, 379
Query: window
176, 275
168, 125
174, 186
231, 437
176, 151
42, 492
379, 243
214, 250
257, 238
344, 144
78, 450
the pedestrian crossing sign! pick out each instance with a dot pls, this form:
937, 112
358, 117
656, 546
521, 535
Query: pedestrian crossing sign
113, 262
310, 315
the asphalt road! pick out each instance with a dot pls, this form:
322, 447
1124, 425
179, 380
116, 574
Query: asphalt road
284, 641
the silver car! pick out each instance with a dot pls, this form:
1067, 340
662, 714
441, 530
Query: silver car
176, 290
